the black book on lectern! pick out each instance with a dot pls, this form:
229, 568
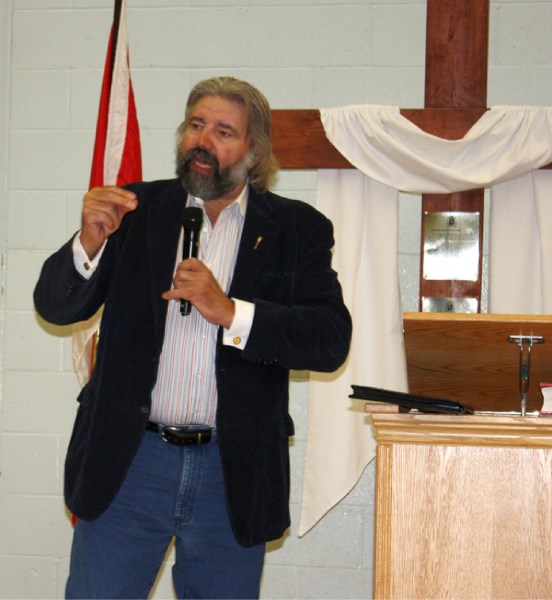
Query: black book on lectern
407, 402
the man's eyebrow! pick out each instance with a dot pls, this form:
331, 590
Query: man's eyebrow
224, 125
221, 124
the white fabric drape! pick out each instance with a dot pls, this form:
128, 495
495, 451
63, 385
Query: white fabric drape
507, 142
392, 154
520, 270
365, 217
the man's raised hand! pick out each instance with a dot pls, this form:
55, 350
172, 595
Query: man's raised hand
102, 212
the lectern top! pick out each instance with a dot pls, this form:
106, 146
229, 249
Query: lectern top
477, 359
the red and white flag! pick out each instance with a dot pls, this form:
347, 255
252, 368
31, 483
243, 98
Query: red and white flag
117, 156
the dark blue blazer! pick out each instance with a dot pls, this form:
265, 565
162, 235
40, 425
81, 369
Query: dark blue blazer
300, 323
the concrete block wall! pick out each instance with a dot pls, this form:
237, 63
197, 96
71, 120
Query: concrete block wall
302, 54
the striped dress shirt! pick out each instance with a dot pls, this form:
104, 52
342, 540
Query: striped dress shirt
185, 391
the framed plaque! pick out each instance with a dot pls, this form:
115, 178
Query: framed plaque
451, 305
451, 246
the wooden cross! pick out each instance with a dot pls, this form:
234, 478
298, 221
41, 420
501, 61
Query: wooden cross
455, 98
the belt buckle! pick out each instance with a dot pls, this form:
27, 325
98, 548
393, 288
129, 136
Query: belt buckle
166, 430
188, 438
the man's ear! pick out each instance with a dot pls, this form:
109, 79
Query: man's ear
257, 158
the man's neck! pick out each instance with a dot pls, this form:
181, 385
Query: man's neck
214, 207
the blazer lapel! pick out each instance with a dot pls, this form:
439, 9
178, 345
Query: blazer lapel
163, 230
258, 237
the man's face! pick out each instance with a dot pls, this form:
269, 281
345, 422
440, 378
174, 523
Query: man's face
213, 157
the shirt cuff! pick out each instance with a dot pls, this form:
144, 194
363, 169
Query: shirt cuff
84, 266
238, 333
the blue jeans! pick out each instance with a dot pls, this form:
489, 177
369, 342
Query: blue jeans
170, 491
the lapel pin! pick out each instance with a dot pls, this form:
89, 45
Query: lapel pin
258, 242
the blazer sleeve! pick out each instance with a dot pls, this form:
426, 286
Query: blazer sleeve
61, 295
301, 321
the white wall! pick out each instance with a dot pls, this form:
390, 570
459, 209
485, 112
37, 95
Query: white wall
302, 54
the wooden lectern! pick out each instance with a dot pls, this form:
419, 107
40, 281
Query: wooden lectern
464, 502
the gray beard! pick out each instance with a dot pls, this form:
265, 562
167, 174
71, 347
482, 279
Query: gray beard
217, 185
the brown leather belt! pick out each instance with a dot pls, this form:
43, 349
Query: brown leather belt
182, 436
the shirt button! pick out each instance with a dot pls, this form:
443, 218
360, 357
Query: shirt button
237, 340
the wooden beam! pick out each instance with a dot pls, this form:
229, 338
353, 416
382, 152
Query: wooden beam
299, 141
457, 35
456, 53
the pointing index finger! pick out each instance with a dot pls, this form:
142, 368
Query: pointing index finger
120, 199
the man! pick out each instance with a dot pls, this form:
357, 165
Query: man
183, 428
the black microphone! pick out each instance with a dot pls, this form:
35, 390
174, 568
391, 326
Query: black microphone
192, 220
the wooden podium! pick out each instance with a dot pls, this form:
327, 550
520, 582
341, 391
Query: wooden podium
464, 507
464, 502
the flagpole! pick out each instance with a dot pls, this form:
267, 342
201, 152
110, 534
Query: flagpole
117, 8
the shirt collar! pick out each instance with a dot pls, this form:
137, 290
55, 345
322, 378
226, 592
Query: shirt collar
240, 200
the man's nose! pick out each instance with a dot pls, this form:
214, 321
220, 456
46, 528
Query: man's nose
205, 139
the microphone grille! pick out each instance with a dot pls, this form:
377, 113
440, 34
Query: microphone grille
192, 218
